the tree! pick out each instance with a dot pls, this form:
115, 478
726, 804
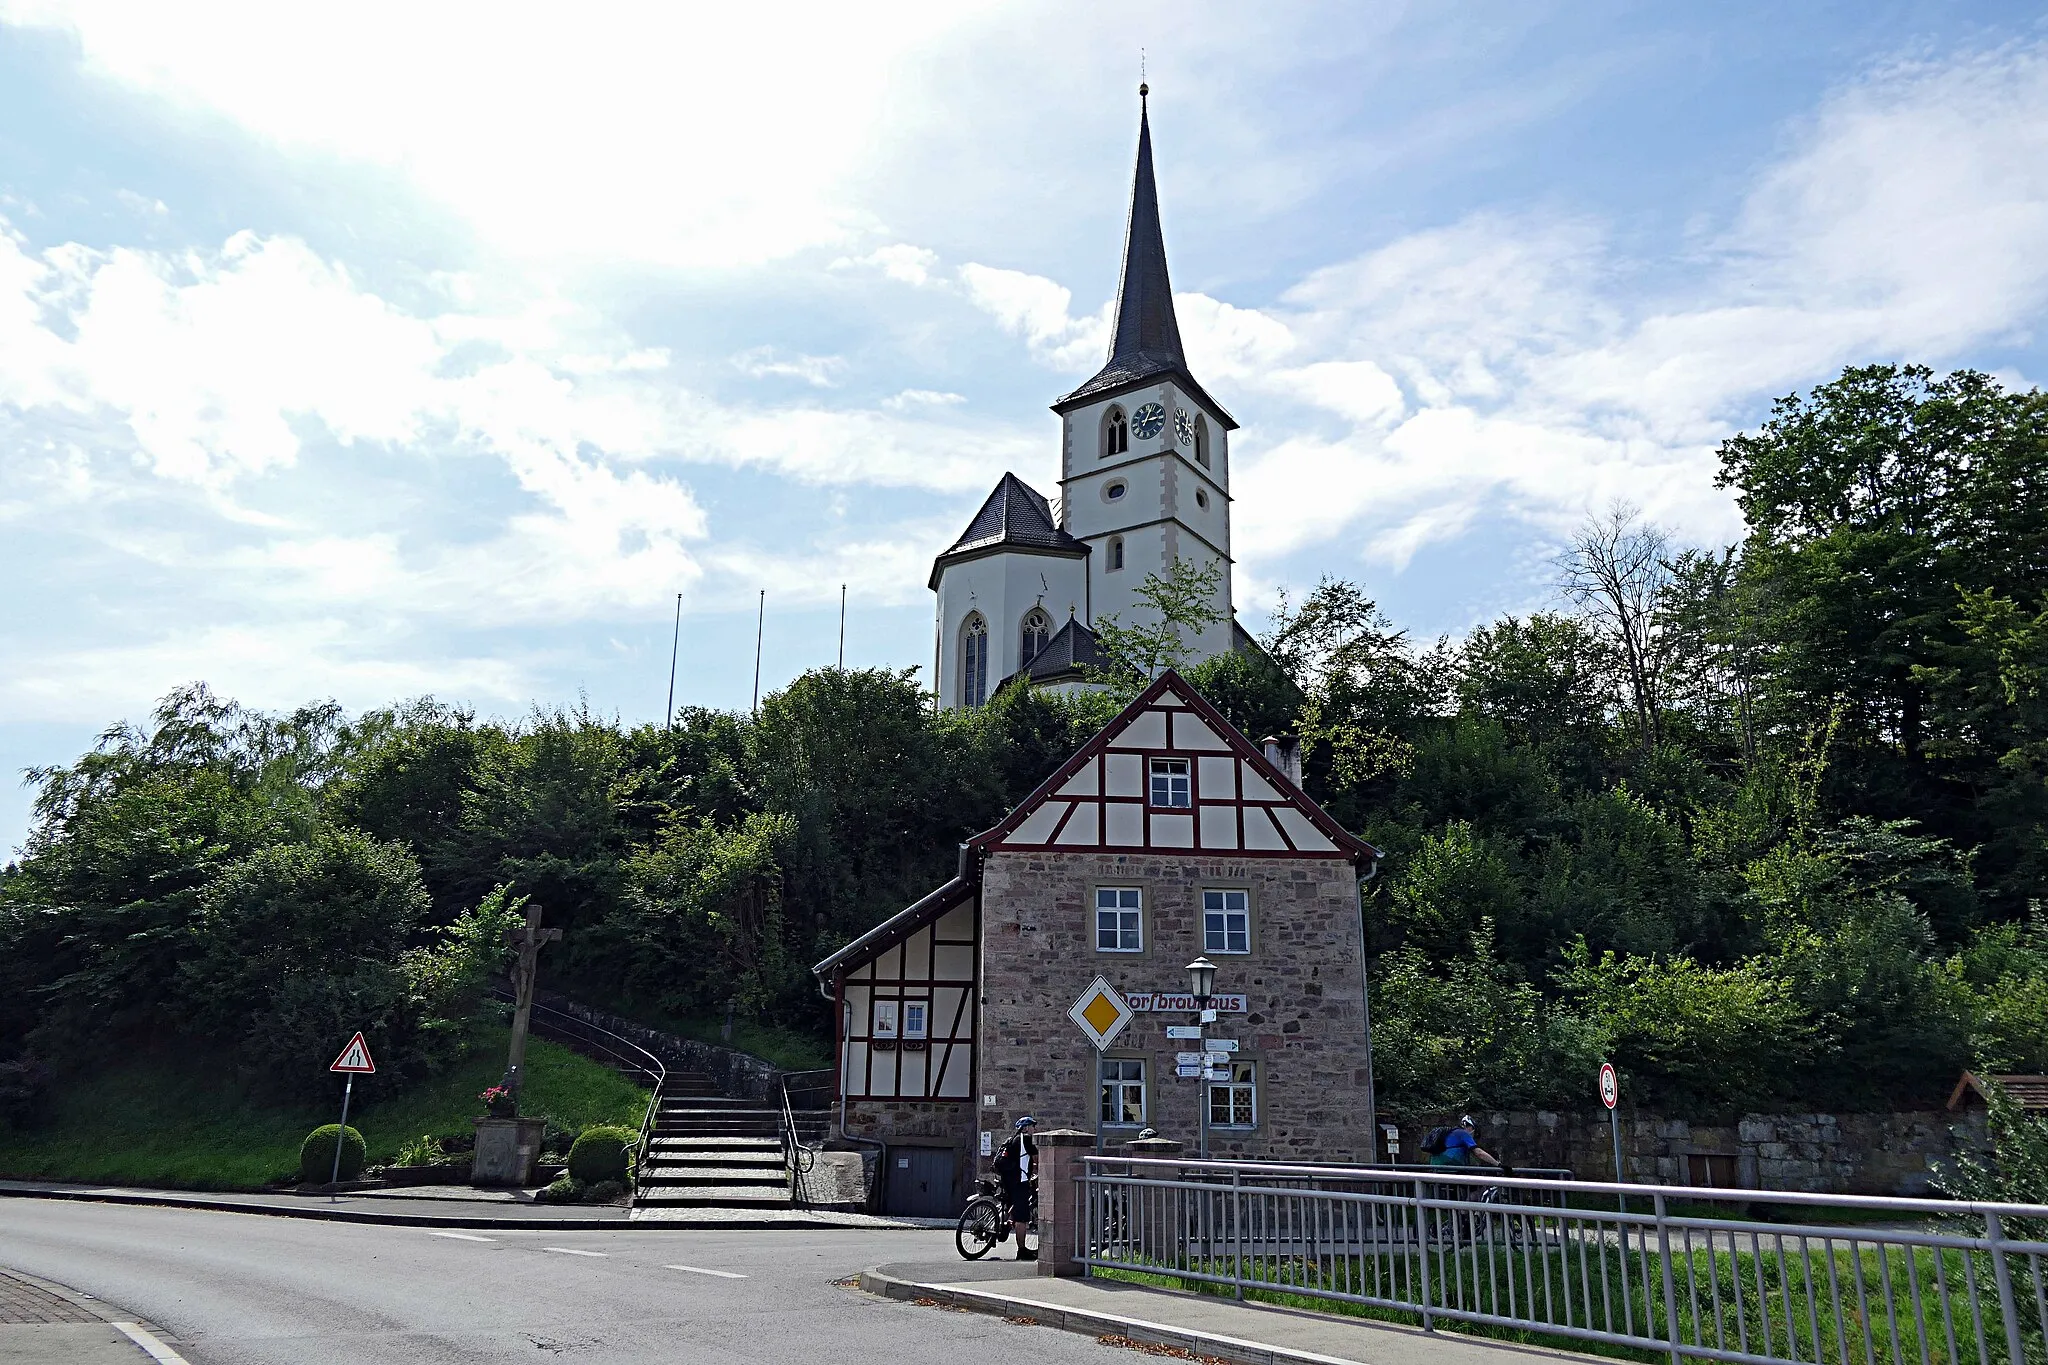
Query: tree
1182, 605
1615, 572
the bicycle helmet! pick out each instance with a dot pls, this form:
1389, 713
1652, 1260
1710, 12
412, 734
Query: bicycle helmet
1026, 1122
1465, 1121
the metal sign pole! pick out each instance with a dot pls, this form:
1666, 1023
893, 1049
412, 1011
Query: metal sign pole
1620, 1176
334, 1176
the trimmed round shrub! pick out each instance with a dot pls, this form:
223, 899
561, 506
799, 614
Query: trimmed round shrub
316, 1154
604, 1192
600, 1154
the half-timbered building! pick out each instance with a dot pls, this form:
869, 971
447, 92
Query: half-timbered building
1168, 836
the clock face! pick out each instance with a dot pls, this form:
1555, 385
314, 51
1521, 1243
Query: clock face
1184, 426
1148, 421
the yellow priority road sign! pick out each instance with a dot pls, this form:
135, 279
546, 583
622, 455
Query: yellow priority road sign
1101, 1013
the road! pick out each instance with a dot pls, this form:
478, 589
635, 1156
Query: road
238, 1289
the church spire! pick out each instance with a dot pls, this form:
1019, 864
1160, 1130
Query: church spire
1147, 334
1146, 341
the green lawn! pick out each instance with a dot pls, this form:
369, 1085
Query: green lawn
179, 1120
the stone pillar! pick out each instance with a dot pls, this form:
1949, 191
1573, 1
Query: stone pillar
1154, 1147
506, 1151
1059, 1197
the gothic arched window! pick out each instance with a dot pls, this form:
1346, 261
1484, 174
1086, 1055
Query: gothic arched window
1037, 630
1201, 440
1116, 433
1116, 553
973, 661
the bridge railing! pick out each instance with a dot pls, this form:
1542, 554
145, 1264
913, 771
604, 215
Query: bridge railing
1673, 1271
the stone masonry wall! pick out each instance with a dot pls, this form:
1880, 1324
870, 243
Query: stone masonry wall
1304, 1021
1811, 1153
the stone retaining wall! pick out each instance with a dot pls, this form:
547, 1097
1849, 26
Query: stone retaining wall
1811, 1153
738, 1074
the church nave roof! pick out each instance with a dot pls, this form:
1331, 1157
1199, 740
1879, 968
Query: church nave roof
1016, 516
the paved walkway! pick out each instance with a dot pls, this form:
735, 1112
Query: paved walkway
1212, 1328
42, 1323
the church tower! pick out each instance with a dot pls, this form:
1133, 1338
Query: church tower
1144, 481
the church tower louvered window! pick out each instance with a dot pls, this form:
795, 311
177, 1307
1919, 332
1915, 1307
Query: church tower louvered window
1116, 433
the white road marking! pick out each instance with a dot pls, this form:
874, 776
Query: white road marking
572, 1251
463, 1236
700, 1270
146, 1339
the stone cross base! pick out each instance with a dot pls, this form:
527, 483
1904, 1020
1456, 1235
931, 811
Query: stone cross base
506, 1151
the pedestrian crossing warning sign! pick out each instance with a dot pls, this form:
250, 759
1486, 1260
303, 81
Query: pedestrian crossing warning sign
1101, 1013
355, 1057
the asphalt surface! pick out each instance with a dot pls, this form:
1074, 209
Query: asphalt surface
240, 1289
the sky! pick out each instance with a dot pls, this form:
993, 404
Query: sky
412, 349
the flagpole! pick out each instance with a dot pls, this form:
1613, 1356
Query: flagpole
675, 645
842, 627
760, 620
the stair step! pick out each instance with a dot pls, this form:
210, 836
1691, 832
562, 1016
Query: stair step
729, 1196
719, 1141
657, 1178
771, 1161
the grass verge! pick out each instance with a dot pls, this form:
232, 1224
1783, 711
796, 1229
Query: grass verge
179, 1120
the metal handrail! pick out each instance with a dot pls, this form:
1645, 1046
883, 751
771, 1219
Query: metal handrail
797, 1158
1675, 1277
601, 1044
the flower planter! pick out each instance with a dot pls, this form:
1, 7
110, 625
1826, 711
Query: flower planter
506, 1151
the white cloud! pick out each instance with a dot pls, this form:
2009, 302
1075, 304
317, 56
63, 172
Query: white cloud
764, 362
899, 261
1035, 308
685, 134
922, 398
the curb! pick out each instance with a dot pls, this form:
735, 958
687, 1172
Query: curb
1207, 1344
403, 1220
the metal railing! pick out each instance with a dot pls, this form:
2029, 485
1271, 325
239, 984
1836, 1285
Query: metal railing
602, 1045
799, 1159
1664, 1271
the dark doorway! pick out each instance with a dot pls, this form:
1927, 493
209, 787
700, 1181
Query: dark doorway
921, 1182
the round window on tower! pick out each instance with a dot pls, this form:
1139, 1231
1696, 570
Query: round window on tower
1113, 492
1202, 498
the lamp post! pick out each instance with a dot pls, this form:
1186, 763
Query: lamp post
1202, 985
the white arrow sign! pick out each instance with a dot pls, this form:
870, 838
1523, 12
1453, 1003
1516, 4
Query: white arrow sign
1219, 1044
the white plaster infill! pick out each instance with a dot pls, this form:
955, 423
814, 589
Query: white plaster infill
1251, 1333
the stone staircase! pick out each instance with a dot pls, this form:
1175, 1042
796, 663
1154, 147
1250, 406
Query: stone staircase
710, 1151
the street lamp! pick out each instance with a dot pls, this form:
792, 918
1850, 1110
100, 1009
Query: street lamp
1202, 985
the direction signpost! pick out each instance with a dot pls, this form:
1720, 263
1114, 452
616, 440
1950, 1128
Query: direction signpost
354, 1061
1610, 1095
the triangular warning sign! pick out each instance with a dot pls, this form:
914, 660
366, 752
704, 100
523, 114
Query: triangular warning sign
354, 1057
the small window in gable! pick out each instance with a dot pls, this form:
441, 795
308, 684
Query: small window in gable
913, 1019
1115, 491
1202, 498
1037, 630
1170, 782
1116, 433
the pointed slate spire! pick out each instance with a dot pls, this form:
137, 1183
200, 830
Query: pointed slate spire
1146, 341
1147, 333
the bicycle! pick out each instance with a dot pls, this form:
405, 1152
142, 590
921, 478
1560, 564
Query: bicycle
985, 1223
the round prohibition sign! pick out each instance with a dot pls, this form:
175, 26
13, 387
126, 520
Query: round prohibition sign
1610, 1088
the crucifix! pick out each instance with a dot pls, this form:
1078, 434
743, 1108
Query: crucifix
529, 941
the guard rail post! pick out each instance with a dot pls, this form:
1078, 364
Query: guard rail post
1670, 1289
1422, 1259
1061, 1163
1994, 1235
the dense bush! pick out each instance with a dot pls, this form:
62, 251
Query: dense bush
566, 1189
601, 1154
605, 1192
316, 1154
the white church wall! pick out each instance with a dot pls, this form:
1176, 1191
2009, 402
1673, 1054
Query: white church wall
1003, 588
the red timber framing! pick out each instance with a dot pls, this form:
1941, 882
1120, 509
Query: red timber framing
906, 1010
1238, 802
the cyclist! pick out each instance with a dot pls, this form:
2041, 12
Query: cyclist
1461, 1147
1017, 1172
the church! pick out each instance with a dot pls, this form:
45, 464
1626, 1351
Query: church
1049, 977
1144, 481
